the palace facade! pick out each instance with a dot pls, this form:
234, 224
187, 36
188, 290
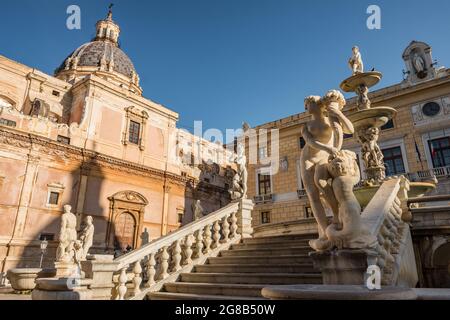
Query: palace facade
87, 137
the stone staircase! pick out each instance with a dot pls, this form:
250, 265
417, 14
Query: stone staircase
245, 269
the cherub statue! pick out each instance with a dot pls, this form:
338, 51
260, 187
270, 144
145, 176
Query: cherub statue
363, 101
349, 232
372, 154
355, 62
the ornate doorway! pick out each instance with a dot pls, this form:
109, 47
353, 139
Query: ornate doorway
125, 228
127, 209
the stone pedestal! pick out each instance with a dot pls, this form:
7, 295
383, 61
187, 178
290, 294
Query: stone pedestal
62, 289
244, 216
68, 284
344, 267
100, 269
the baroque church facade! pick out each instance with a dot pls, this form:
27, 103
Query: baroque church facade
87, 137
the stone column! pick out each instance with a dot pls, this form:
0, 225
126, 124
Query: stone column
25, 195
244, 216
165, 213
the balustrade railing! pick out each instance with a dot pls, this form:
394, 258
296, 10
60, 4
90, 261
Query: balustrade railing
386, 218
148, 268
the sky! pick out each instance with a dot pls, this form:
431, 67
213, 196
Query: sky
228, 61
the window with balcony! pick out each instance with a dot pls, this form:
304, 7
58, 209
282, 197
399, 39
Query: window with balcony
440, 152
264, 186
393, 160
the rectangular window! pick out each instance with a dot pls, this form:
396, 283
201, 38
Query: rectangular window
393, 160
302, 142
388, 125
264, 184
265, 217
56, 93
47, 236
53, 198
308, 212
440, 152
8, 123
62, 139
134, 132
180, 217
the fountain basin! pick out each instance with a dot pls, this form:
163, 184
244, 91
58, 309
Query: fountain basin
23, 280
373, 117
369, 79
417, 190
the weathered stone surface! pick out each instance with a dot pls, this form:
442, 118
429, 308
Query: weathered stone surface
337, 292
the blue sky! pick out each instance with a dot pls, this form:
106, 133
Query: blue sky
225, 61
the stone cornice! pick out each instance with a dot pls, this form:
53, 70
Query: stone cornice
88, 159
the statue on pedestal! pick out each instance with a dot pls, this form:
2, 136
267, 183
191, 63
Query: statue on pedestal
331, 172
70, 248
355, 62
67, 236
238, 188
87, 236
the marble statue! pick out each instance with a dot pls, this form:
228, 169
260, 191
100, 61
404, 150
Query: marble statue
331, 172
197, 210
363, 101
349, 232
371, 152
419, 63
236, 191
67, 236
87, 236
318, 136
355, 62
238, 188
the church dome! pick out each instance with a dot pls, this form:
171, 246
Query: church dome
94, 53
102, 57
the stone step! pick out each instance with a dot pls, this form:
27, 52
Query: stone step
253, 278
265, 252
274, 245
256, 268
224, 289
277, 239
186, 296
268, 260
